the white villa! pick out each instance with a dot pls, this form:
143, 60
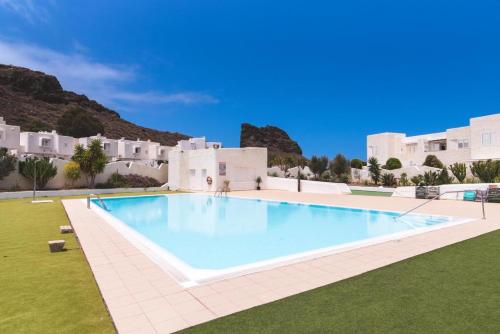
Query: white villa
478, 141
110, 146
206, 169
9, 136
47, 144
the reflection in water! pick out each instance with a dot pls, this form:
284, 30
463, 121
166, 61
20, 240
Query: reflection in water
215, 233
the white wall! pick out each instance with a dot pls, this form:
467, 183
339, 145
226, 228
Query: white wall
316, 187
9, 135
17, 181
189, 169
410, 191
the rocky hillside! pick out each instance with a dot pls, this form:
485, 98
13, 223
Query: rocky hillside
275, 139
35, 101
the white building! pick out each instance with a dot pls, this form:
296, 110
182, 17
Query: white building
197, 144
110, 146
47, 144
9, 136
478, 141
207, 169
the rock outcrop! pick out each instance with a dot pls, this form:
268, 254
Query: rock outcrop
275, 139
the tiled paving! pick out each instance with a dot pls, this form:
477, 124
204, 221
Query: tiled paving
142, 298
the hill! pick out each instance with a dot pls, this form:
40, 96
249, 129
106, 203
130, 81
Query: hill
277, 141
35, 101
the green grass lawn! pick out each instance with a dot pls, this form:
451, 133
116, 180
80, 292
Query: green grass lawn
453, 290
370, 193
42, 292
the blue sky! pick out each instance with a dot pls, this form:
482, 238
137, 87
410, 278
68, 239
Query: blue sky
328, 72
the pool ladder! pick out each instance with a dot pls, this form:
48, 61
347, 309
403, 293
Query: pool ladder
100, 201
436, 197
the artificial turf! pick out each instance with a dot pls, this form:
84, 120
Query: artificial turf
452, 290
43, 292
371, 193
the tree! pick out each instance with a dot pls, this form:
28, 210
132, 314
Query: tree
42, 168
318, 165
487, 171
79, 123
393, 163
459, 170
444, 177
357, 163
340, 166
432, 161
72, 172
7, 162
92, 160
374, 169
388, 180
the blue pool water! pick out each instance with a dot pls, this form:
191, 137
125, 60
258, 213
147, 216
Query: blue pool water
209, 232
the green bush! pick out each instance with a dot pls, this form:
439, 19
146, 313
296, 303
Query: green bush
117, 180
7, 163
403, 180
393, 163
388, 180
357, 163
44, 170
72, 172
417, 180
444, 177
486, 171
433, 161
459, 170
431, 178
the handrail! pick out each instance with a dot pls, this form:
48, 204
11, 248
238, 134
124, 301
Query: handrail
100, 201
439, 195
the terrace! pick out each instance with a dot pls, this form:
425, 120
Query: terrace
347, 290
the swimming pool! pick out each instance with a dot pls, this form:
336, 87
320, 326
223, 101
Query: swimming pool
200, 237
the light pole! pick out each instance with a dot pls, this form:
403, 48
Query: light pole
34, 178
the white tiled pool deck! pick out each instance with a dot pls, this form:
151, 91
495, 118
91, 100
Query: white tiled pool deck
142, 298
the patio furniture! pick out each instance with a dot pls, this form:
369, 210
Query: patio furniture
470, 196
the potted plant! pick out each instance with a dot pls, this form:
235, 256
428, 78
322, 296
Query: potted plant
258, 180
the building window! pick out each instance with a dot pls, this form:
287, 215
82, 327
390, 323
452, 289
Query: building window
137, 150
1, 135
106, 146
486, 138
45, 142
463, 143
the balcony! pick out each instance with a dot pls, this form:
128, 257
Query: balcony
435, 145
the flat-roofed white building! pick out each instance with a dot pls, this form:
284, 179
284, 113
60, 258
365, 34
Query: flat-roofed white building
109, 146
478, 141
197, 144
48, 144
207, 169
9, 136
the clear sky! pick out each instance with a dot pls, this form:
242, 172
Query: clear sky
328, 72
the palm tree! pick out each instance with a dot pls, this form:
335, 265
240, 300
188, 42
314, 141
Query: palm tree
92, 160
374, 169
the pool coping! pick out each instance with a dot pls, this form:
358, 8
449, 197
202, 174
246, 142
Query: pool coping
188, 276
142, 298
